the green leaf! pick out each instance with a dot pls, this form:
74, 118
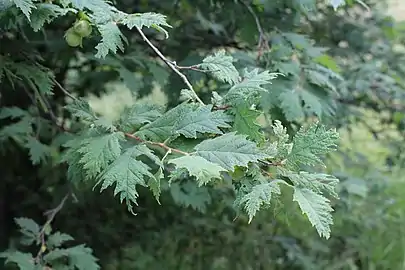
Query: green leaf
297, 40
82, 257
79, 256
309, 144
38, 151
281, 148
250, 86
105, 124
163, 127
328, 62
154, 184
29, 228
191, 195
280, 132
28, 225
25, 261
99, 151
230, 150
221, 66
261, 194
111, 39
72, 156
139, 114
290, 102
325, 71
317, 208
287, 68
318, 182
81, 108
148, 19
12, 112
21, 128
202, 120
89, 4
297, 101
312, 103
38, 77
245, 122
57, 239
132, 82
45, 12
187, 94
199, 167
319, 79
126, 172
26, 6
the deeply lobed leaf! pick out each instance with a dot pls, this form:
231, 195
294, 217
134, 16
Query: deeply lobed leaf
221, 66
317, 208
230, 150
202, 120
126, 172
202, 169
259, 195
309, 144
98, 152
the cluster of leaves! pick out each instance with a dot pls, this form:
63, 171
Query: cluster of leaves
110, 156
51, 253
222, 140
197, 147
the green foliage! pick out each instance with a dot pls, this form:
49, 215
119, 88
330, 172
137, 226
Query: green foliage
51, 253
219, 149
26, 6
230, 150
46, 13
23, 260
202, 120
98, 152
202, 169
246, 122
221, 67
317, 208
127, 172
259, 195
311, 143
37, 150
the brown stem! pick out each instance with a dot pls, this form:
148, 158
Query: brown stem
51, 215
162, 145
66, 92
263, 42
195, 68
171, 65
222, 107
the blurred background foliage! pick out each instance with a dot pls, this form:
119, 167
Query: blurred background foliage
197, 229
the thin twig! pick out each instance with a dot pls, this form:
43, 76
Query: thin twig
222, 107
171, 65
195, 68
263, 42
267, 173
162, 145
64, 90
50, 112
270, 163
51, 215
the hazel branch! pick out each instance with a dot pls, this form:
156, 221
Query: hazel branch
171, 65
51, 215
66, 92
195, 68
162, 145
263, 42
